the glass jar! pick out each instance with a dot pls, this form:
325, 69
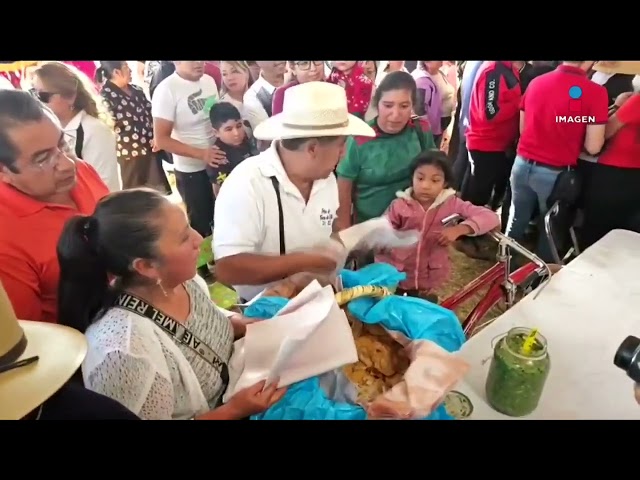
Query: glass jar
516, 379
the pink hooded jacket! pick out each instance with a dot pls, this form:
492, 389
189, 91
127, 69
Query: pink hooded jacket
427, 263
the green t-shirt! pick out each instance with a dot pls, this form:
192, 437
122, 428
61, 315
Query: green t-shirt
379, 167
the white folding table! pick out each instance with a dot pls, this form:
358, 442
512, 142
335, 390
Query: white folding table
585, 312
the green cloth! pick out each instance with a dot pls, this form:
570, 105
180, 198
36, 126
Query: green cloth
206, 252
223, 296
379, 167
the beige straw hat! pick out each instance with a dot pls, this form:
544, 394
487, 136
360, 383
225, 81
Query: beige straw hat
625, 67
60, 351
313, 109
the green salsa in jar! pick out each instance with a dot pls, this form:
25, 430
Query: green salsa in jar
517, 373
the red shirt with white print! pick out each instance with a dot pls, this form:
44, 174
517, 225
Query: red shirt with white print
358, 87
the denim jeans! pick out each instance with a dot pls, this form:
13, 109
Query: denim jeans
531, 185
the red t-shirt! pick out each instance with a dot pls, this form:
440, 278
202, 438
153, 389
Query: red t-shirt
278, 97
213, 70
494, 108
548, 137
623, 149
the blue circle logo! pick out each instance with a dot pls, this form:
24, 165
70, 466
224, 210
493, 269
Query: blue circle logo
575, 92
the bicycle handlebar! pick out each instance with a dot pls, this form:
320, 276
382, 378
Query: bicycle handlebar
502, 239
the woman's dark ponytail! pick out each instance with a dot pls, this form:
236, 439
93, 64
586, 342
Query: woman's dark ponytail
84, 281
106, 69
94, 250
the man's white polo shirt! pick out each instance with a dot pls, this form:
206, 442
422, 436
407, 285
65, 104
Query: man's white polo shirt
246, 212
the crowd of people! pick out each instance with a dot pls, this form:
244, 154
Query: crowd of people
271, 159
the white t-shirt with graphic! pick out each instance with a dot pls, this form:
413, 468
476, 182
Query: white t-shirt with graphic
182, 102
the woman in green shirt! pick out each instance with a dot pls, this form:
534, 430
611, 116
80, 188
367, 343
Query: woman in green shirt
374, 169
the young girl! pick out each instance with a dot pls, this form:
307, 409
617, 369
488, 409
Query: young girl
423, 207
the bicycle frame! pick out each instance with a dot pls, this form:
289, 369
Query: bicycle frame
501, 283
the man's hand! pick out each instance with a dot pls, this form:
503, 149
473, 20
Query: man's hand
623, 97
326, 258
214, 157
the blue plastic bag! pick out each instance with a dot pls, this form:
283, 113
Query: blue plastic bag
417, 319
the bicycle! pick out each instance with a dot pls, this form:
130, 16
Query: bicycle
502, 283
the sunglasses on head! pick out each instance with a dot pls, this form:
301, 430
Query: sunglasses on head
44, 97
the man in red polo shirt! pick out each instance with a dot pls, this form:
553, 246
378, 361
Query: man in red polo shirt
493, 127
562, 113
42, 184
612, 190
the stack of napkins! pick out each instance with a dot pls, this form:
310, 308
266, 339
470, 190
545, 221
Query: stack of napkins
308, 337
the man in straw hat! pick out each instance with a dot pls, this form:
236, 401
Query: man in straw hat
283, 201
36, 362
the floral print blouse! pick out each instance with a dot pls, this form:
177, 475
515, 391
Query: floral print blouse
133, 122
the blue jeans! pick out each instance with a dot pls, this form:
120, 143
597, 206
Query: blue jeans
530, 185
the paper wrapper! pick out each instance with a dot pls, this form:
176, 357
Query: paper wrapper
432, 374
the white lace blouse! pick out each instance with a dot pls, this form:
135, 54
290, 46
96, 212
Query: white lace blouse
133, 361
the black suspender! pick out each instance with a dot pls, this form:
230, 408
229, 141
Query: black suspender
276, 187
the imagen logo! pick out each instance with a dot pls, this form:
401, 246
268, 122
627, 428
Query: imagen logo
575, 109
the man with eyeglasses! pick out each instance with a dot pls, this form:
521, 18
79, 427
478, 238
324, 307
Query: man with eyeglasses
42, 185
258, 99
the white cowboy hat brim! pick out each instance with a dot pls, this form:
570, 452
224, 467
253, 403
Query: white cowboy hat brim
275, 128
623, 67
61, 351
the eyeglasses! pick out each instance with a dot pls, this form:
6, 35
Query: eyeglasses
305, 65
44, 97
50, 159
18, 364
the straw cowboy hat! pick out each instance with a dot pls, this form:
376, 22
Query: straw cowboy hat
60, 351
628, 68
314, 109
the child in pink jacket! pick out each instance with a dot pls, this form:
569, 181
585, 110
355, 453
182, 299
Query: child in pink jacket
422, 208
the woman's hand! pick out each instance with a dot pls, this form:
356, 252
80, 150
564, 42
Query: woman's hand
637, 392
239, 324
444, 143
253, 400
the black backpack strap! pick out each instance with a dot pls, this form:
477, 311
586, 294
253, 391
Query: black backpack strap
276, 187
79, 141
420, 133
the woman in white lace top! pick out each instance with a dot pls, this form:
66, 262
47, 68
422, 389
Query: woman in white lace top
157, 344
